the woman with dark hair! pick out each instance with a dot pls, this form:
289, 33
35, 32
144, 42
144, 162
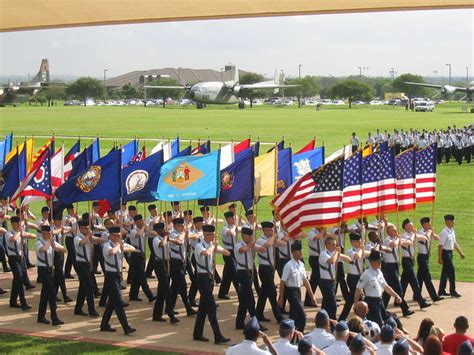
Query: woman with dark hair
424, 330
433, 346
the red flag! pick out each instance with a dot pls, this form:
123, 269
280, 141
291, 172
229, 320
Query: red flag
242, 146
307, 147
141, 155
104, 206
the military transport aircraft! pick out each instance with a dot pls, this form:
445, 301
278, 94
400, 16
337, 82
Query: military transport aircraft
225, 92
15, 94
449, 89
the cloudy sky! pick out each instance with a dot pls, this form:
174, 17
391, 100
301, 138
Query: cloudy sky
419, 41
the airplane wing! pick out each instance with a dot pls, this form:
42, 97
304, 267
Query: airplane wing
262, 86
180, 87
447, 88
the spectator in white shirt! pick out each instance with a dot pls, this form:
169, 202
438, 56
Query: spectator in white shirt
320, 337
287, 333
341, 332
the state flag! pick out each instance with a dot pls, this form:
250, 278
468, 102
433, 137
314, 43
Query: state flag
266, 174
306, 162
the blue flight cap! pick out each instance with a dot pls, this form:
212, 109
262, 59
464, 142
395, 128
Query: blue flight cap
391, 322
387, 332
357, 343
287, 324
322, 315
465, 348
305, 345
341, 326
252, 325
401, 346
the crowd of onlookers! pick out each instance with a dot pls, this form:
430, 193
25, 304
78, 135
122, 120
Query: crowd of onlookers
357, 336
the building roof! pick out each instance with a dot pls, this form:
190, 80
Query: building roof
184, 76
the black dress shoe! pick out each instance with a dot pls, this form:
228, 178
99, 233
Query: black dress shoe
25, 307
436, 299
443, 293
43, 321
69, 277
80, 312
160, 319
68, 299
240, 327
221, 340
129, 331
30, 266
108, 329
102, 304
425, 305
58, 299
2, 291
224, 297
191, 312
7, 270
193, 304
135, 299
175, 312
201, 338
122, 287
455, 294
152, 299
97, 294
15, 305
30, 287
263, 319
263, 329
125, 304
408, 313
97, 273
174, 320
57, 322
94, 314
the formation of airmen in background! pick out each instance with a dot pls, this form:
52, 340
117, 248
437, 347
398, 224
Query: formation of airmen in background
452, 142
181, 243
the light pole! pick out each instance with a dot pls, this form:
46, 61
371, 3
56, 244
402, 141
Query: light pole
449, 66
360, 73
283, 82
105, 87
299, 77
467, 75
392, 73
367, 71
179, 75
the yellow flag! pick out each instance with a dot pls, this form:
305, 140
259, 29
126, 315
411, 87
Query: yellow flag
265, 174
29, 153
367, 150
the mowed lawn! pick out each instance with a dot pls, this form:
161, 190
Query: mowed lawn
332, 126
17, 344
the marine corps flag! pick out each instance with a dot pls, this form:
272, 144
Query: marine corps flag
266, 174
100, 180
189, 178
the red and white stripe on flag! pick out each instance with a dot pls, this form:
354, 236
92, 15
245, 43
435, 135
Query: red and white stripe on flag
425, 188
406, 194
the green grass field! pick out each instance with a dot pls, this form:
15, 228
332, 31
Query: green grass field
17, 344
331, 125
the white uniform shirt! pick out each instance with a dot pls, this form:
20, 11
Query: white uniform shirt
137, 242
244, 260
13, 248
447, 238
338, 348
247, 347
383, 349
176, 250
71, 222
195, 232
355, 141
285, 250
284, 347
204, 263
105, 236
408, 251
229, 240
265, 258
390, 257
161, 253
321, 338
327, 271
44, 259
112, 263
83, 252
315, 246
294, 273
372, 282
97, 222
424, 246
356, 266
58, 238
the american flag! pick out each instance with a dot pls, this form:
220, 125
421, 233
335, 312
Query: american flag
315, 203
405, 172
379, 193
425, 169
352, 187
141, 155
38, 181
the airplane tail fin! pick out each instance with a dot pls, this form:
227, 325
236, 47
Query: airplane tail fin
278, 79
43, 73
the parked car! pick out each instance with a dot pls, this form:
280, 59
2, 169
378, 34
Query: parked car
424, 106
375, 103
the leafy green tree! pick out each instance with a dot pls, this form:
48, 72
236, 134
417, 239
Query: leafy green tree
409, 90
52, 93
308, 86
86, 87
129, 92
252, 78
351, 90
164, 93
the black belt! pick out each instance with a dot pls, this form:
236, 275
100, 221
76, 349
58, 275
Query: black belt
373, 298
